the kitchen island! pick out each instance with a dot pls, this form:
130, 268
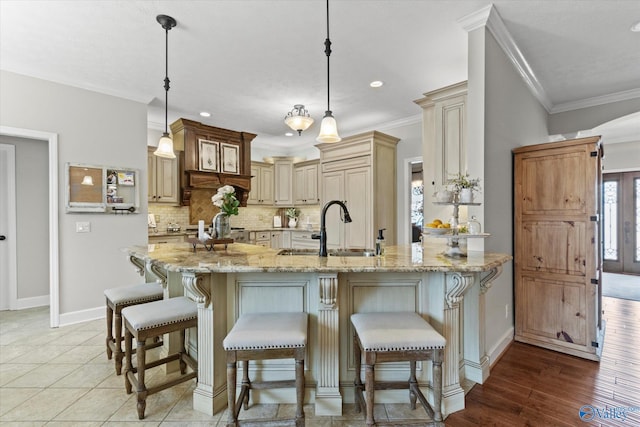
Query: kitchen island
247, 278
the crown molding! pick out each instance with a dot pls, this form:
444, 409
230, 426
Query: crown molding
596, 100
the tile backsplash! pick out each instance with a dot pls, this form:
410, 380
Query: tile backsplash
248, 217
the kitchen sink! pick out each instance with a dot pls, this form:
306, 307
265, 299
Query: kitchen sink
331, 252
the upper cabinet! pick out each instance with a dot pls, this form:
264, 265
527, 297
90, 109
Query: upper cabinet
361, 171
212, 157
164, 185
261, 184
305, 183
444, 117
283, 171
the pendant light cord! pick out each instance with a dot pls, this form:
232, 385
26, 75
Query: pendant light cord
166, 79
327, 51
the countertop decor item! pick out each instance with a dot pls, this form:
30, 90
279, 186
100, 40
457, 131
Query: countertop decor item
226, 200
464, 187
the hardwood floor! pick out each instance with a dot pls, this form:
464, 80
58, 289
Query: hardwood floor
531, 386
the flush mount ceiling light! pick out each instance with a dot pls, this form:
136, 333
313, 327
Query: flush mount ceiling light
298, 119
636, 27
205, 114
165, 145
328, 127
376, 83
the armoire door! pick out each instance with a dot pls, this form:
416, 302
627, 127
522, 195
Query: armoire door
557, 246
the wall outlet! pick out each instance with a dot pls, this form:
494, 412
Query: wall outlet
83, 227
506, 311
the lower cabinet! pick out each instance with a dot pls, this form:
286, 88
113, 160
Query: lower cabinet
260, 238
303, 240
166, 239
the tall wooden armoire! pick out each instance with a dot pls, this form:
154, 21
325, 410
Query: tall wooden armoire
557, 246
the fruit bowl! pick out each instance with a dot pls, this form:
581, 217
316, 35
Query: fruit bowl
431, 230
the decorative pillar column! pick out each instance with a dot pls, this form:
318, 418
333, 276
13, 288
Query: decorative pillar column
328, 397
210, 393
452, 393
476, 361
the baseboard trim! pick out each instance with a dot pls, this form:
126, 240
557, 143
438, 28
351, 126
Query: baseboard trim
81, 316
32, 302
496, 352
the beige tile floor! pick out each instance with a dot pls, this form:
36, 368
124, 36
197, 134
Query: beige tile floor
61, 377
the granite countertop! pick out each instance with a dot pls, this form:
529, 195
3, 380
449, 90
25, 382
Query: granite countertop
244, 258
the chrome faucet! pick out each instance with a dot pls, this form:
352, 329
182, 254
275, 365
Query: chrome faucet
323, 229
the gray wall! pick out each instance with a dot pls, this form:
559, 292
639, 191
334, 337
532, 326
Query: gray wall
623, 156
512, 118
32, 204
569, 122
95, 129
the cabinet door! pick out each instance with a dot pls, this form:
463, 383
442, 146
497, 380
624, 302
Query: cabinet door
299, 188
333, 189
357, 193
254, 194
151, 176
266, 186
283, 183
166, 180
276, 239
311, 184
556, 238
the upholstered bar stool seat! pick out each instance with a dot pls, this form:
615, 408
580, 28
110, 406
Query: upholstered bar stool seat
149, 320
396, 337
119, 298
260, 336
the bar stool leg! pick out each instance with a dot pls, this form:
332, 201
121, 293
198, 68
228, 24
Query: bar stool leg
369, 386
109, 339
128, 338
357, 382
246, 385
300, 392
413, 383
231, 393
117, 353
141, 390
183, 350
437, 384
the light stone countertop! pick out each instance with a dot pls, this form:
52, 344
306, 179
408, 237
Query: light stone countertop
245, 258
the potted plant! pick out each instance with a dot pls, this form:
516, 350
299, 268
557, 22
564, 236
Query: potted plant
293, 214
464, 186
226, 200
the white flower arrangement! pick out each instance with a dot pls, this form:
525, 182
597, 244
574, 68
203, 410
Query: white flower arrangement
226, 200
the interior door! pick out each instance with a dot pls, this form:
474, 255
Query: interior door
621, 222
557, 262
8, 267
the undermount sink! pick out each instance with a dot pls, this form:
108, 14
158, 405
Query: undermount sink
332, 252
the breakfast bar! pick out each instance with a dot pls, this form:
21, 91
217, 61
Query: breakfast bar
447, 292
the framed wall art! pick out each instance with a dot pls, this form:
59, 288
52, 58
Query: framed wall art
230, 158
208, 151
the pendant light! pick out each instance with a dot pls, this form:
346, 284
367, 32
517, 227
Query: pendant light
328, 127
165, 144
87, 180
298, 119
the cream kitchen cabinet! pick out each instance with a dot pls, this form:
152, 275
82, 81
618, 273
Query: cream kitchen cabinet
260, 238
305, 183
303, 240
360, 170
261, 184
162, 179
283, 192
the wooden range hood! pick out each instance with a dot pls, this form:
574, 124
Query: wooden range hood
186, 137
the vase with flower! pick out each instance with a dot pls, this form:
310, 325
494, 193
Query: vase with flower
292, 214
464, 187
226, 200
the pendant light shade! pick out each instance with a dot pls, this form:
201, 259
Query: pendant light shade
298, 119
165, 144
328, 127
87, 180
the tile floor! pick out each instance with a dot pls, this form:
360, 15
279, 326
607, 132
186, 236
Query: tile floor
61, 377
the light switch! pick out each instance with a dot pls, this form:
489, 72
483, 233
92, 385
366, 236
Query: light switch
83, 227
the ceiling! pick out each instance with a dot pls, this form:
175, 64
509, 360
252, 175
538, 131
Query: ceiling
247, 62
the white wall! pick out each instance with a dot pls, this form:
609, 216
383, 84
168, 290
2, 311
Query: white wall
512, 118
96, 129
621, 157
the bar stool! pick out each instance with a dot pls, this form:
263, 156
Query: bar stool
261, 336
149, 320
396, 337
119, 298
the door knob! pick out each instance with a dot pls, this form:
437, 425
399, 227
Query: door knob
3, 237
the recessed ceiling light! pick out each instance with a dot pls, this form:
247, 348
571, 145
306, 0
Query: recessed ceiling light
205, 114
636, 27
376, 83
288, 134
